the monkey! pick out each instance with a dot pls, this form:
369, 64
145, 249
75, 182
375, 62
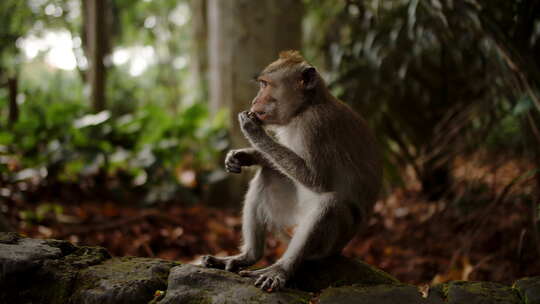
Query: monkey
319, 170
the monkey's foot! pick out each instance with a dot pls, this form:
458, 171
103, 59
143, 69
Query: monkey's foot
271, 278
231, 263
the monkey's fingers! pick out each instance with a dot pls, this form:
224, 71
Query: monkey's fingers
262, 281
233, 160
233, 164
269, 283
242, 116
246, 116
233, 168
276, 284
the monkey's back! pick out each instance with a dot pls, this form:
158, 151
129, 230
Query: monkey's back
345, 150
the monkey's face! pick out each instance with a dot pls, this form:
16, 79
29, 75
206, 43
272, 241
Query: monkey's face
278, 99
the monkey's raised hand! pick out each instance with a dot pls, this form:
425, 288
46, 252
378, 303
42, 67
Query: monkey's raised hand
236, 159
250, 125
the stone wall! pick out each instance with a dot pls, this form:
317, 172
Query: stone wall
52, 271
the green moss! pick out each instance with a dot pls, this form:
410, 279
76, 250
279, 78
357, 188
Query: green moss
53, 281
65, 246
460, 291
132, 278
338, 271
202, 300
441, 290
55, 293
382, 294
528, 289
9, 237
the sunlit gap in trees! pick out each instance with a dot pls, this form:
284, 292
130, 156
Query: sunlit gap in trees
60, 50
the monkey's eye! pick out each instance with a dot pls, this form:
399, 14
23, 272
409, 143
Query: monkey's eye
262, 83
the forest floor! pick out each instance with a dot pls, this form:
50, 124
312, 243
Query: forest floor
417, 241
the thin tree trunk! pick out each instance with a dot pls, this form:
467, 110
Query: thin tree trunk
4, 224
199, 55
13, 106
95, 28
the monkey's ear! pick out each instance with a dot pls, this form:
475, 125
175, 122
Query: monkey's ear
310, 78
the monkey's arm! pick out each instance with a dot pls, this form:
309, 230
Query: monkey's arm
281, 157
236, 159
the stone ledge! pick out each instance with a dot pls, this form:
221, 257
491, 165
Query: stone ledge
52, 271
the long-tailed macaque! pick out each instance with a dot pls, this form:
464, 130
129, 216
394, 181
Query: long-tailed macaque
320, 171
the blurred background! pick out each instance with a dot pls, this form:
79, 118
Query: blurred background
115, 116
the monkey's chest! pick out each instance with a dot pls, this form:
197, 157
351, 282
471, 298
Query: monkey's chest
304, 202
291, 137
289, 202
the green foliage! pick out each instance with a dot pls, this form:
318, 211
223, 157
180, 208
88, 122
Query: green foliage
41, 213
427, 76
154, 142
16, 20
148, 150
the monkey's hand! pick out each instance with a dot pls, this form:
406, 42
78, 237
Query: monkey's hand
236, 159
271, 278
251, 126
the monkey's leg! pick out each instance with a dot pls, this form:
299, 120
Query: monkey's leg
253, 228
322, 233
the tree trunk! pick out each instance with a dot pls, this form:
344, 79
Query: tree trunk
96, 42
198, 80
4, 224
13, 106
244, 36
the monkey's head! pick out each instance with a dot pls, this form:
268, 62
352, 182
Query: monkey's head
284, 89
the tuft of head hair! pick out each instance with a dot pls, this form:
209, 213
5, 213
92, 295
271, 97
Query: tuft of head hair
286, 59
291, 56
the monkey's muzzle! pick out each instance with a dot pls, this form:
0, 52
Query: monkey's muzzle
257, 115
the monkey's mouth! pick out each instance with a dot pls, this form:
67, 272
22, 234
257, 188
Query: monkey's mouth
261, 115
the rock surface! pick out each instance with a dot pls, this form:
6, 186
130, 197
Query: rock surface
338, 271
20, 255
379, 294
481, 292
529, 290
477, 293
194, 284
122, 280
51, 271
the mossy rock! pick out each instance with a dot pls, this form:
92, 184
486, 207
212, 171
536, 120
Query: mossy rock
122, 280
42, 271
338, 271
377, 294
53, 271
529, 290
9, 237
196, 284
458, 292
